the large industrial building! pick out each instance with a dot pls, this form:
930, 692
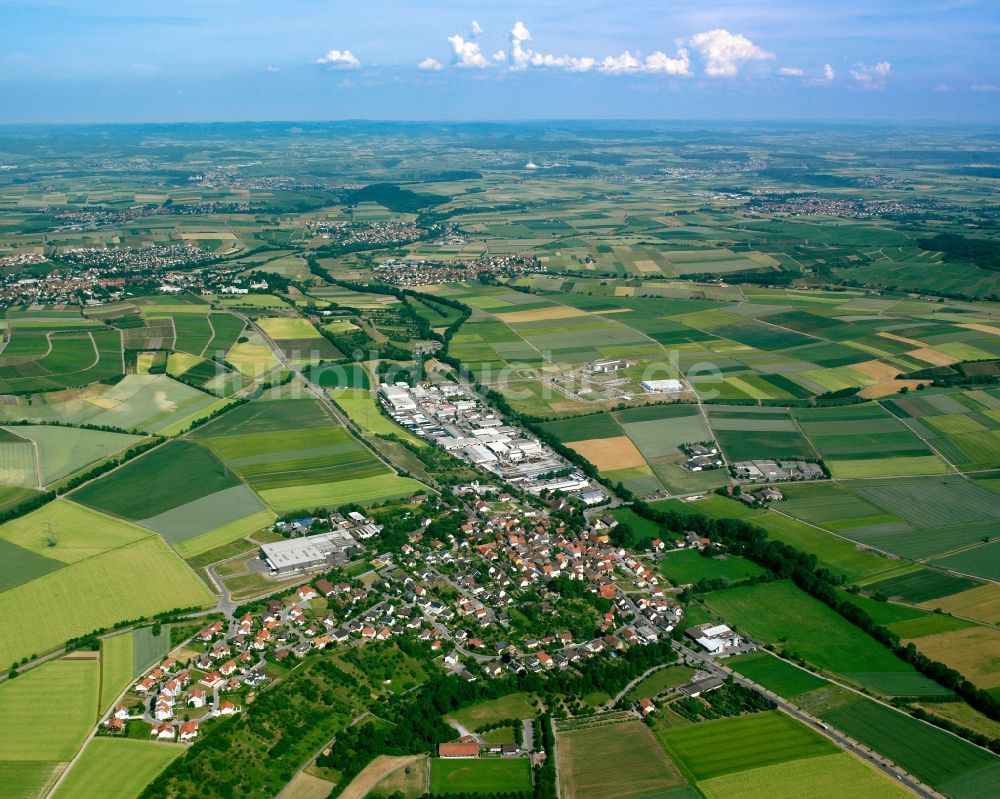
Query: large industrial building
307, 552
662, 386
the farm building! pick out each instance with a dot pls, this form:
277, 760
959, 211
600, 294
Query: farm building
714, 638
310, 552
466, 746
670, 386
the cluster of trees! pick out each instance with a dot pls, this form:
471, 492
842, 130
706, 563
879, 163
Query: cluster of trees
732, 699
984, 253
255, 754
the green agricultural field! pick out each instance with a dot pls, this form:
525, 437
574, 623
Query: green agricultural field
921, 586
148, 649
360, 407
331, 495
27, 779
116, 768
220, 536
65, 450
165, 478
690, 566
206, 514
775, 674
18, 466
66, 532
982, 561
928, 753
116, 667
781, 614
336, 375
838, 776
836, 554
613, 762
133, 580
491, 775
150, 403
46, 713
268, 416
713, 748
19, 565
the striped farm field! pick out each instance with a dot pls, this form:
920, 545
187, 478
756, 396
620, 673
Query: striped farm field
713, 748
116, 667
46, 713
593, 762
946, 762
116, 768
888, 467
837, 776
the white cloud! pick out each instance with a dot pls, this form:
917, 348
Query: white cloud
467, 53
342, 59
871, 77
660, 62
500, 56
477, 29
430, 65
828, 73
723, 52
984, 87
621, 65
272, 68
521, 57
791, 72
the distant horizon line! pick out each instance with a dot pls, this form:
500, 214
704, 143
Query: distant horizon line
840, 122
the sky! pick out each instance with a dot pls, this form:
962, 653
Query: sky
83, 61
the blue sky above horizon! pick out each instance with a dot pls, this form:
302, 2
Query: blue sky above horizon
117, 61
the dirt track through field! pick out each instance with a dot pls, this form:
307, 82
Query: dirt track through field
380, 768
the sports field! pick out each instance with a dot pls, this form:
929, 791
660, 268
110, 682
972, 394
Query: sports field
604, 762
116, 768
491, 775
